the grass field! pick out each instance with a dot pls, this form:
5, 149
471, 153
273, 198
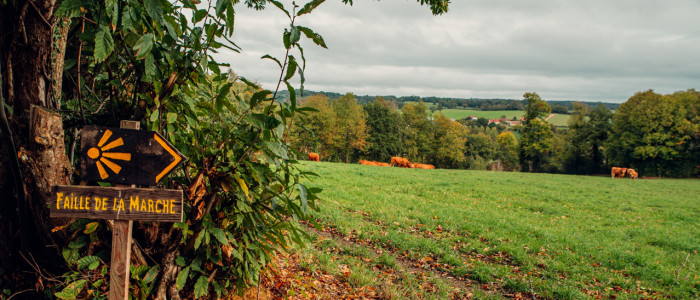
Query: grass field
410, 233
559, 120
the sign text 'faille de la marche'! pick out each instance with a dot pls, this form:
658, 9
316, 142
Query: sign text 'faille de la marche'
116, 203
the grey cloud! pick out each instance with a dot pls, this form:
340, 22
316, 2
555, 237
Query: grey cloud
592, 50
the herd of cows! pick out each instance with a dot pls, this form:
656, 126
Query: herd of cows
405, 163
620, 173
395, 161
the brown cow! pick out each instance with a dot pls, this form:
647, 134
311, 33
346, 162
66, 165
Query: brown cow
633, 174
620, 172
423, 166
381, 164
367, 162
401, 162
314, 156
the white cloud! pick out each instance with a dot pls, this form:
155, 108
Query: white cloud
583, 50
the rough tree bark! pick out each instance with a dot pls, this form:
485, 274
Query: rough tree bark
32, 129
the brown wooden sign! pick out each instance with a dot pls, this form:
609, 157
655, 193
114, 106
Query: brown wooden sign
126, 156
116, 203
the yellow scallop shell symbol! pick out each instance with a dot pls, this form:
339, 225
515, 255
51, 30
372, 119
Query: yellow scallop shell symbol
102, 157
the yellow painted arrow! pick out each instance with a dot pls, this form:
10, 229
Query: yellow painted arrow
172, 152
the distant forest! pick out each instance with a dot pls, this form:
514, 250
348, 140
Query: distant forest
558, 106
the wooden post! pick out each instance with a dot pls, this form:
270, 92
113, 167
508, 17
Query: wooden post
121, 246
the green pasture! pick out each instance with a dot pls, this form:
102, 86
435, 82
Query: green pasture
557, 236
559, 120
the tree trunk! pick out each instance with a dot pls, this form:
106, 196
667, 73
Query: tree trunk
35, 131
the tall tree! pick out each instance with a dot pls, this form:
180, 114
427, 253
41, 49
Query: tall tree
384, 130
651, 132
450, 142
418, 132
508, 150
577, 160
351, 127
600, 120
315, 131
481, 149
536, 144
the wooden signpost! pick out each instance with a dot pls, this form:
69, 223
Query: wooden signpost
126, 156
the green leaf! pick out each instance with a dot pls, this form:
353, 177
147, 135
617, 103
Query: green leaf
154, 9
301, 79
180, 261
230, 19
304, 198
72, 290
201, 288
315, 37
90, 227
308, 7
151, 274
286, 39
292, 96
144, 45
259, 96
154, 115
295, 34
200, 236
127, 22
199, 16
276, 148
94, 265
281, 7
113, 11
214, 67
291, 68
104, 44
149, 65
182, 278
220, 235
171, 117
71, 8
88, 261
221, 6
272, 58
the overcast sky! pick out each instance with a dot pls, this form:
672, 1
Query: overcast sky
563, 50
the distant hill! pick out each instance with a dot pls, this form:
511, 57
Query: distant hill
454, 103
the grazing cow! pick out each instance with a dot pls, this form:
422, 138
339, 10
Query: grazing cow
423, 166
401, 162
620, 172
367, 162
633, 174
381, 164
314, 157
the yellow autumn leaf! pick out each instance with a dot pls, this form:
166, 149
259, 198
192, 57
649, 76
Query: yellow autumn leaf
244, 186
57, 228
90, 227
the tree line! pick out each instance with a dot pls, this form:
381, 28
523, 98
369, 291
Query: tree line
656, 134
439, 103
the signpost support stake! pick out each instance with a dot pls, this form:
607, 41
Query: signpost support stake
121, 246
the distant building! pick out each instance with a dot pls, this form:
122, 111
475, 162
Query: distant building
505, 121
